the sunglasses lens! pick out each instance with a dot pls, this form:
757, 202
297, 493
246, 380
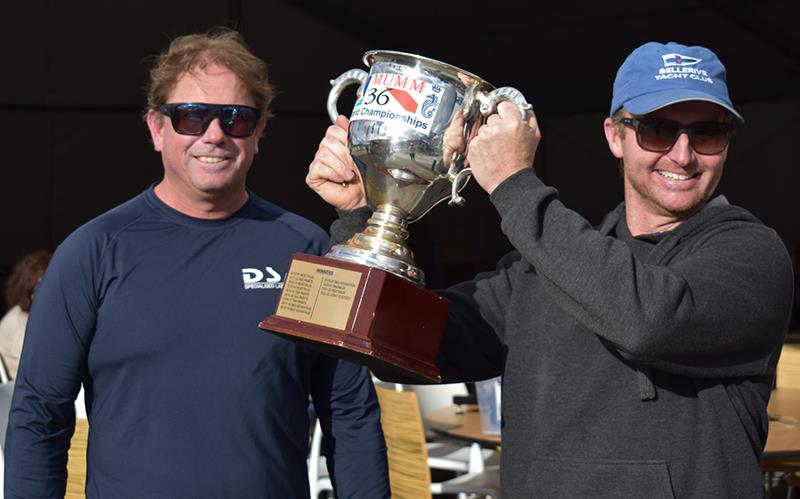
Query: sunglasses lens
190, 119
238, 121
194, 118
657, 135
706, 138
710, 138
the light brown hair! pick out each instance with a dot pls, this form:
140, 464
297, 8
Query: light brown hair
221, 46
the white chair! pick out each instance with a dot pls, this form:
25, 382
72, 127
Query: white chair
319, 479
6, 392
4, 377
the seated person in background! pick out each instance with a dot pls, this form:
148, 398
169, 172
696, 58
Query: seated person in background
19, 295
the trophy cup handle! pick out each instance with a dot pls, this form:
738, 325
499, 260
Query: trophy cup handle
458, 182
344, 80
489, 101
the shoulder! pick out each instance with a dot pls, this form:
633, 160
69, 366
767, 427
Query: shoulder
732, 236
282, 219
89, 242
721, 219
112, 222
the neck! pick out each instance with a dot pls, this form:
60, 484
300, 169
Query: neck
642, 220
639, 225
210, 206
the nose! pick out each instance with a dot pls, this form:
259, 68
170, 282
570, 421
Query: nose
214, 133
681, 153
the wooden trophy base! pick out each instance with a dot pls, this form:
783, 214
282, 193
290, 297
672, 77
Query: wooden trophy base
361, 314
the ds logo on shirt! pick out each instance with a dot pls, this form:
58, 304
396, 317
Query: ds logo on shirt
261, 279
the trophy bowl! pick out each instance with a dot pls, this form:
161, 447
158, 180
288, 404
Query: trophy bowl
409, 131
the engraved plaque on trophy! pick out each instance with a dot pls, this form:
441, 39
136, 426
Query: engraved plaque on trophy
365, 300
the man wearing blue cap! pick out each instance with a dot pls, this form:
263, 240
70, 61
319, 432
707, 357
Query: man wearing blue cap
637, 357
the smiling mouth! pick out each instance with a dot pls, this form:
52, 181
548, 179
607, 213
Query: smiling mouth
675, 176
211, 160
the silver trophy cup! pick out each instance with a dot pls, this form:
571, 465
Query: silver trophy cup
409, 131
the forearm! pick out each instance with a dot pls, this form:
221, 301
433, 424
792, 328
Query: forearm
348, 411
472, 345
40, 425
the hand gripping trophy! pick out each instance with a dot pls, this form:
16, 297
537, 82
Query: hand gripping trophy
365, 300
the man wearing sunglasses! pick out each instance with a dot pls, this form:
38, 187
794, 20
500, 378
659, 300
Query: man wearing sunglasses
154, 308
637, 357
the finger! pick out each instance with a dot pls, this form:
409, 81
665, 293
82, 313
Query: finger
508, 110
340, 129
340, 162
333, 154
336, 147
531, 119
337, 134
344, 170
474, 145
342, 122
322, 173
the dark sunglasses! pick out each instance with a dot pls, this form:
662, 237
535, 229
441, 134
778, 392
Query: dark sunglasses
193, 118
659, 135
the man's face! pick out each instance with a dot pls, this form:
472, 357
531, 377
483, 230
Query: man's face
664, 188
210, 167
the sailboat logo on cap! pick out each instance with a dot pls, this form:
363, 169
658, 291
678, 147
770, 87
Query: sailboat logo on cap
679, 60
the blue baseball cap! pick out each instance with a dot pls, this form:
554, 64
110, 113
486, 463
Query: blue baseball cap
656, 75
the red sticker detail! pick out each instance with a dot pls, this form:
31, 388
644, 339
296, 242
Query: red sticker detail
404, 99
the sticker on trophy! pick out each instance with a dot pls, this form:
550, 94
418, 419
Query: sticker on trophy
400, 99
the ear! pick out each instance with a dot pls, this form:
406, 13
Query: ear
613, 138
155, 122
259, 133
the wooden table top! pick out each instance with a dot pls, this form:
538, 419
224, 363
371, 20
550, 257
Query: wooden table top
784, 425
464, 423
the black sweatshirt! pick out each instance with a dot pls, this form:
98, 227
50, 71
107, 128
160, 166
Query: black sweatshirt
632, 367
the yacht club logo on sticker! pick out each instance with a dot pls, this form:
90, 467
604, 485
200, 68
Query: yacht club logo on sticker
397, 98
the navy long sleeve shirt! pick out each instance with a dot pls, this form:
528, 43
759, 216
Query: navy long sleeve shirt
156, 313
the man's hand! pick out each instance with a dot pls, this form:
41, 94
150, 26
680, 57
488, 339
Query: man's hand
332, 173
504, 145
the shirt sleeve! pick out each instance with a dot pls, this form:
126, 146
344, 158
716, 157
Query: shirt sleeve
52, 366
348, 223
471, 348
345, 401
718, 310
